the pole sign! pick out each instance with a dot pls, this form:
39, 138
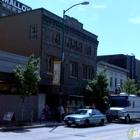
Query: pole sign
17, 5
132, 67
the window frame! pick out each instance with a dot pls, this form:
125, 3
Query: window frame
57, 38
79, 48
87, 72
88, 50
69, 42
73, 69
111, 81
49, 65
33, 32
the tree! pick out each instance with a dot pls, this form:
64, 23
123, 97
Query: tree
98, 88
129, 86
27, 79
138, 88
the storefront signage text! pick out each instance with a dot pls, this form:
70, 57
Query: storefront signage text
17, 5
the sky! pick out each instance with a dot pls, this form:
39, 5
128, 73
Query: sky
115, 22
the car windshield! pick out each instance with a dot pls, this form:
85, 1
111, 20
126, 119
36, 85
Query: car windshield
82, 112
118, 103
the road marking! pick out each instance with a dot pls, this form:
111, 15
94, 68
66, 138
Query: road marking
110, 136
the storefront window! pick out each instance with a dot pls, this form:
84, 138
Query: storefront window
5, 87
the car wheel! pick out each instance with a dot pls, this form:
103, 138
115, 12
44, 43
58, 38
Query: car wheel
68, 124
127, 119
101, 122
86, 123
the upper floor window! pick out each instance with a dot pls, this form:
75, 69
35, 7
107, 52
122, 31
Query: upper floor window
111, 81
88, 50
33, 32
115, 82
57, 38
87, 72
73, 69
74, 44
84, 72
79, 47
69, 42
49, 64
121, 82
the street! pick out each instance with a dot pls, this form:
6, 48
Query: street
111, 131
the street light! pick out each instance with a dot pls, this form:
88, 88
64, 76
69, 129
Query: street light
62, 54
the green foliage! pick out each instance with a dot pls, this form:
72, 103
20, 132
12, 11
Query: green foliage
27, 78
98, 88
138, 88
129, 86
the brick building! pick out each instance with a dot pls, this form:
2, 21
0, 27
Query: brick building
40, 31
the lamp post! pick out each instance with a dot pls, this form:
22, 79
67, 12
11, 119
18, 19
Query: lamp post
62, 53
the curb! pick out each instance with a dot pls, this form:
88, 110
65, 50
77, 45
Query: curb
10, 128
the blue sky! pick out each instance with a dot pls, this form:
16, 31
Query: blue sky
115, 22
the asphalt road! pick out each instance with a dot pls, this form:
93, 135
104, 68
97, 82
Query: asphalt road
111, 131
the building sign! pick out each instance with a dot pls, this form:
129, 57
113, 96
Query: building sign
132, 67
17, 5
56, 73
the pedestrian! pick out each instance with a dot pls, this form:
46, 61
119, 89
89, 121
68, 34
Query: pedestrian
60, 113
47, 112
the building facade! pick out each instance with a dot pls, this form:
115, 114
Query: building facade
40, 32
128, 62
116, 76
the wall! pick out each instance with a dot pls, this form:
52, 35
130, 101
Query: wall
13, 103
15, 33
8, 62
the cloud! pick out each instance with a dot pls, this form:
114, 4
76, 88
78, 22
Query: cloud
64, 1
80, 8
95, 6
135, 20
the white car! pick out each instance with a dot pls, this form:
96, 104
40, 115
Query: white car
85, 117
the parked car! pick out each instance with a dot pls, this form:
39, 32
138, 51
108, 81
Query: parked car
85, 117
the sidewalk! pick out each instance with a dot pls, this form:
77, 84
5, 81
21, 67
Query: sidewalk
29, 125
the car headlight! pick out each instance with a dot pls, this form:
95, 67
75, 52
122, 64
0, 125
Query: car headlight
120, 113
